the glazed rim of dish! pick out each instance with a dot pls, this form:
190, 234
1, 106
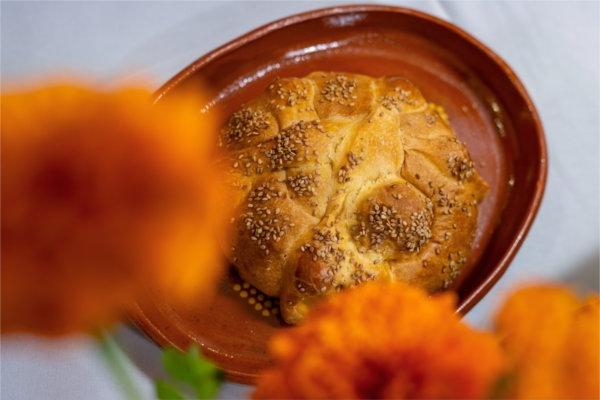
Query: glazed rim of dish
467, 303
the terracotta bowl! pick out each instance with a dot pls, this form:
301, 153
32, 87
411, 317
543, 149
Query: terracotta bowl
488, 108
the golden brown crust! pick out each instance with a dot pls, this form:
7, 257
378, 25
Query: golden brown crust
342, 178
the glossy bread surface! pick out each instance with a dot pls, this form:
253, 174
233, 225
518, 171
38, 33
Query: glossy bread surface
343, 178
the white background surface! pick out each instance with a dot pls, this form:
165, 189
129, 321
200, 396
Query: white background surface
553, 47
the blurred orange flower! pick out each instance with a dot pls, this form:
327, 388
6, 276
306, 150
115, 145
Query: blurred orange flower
552, 339
383, 341
103, 196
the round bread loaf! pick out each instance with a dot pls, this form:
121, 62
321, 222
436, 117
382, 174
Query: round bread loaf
341, 179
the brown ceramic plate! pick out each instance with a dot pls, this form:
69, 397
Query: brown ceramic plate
488, 107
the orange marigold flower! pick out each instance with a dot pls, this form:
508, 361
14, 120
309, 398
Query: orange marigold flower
552, 339
104, 196
383, 341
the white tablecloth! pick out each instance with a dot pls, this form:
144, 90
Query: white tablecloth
553, 47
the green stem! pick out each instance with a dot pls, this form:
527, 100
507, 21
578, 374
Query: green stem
116, 362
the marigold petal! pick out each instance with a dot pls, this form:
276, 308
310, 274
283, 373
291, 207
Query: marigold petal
383, 341
104, 195
553, 339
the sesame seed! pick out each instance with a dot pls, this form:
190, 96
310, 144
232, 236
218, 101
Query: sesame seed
340, 89
245, 124
431, 117
384, 224
263, 224
288, 144
302, 185
396, 100
343, 175
290, 96
461, 168
325, 246
353, 160
360, 275
443, 201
